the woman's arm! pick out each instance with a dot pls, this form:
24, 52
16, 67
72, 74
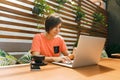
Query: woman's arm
48, 59
67, 54
71, 56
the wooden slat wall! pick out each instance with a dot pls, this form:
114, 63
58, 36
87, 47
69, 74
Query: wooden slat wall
18, 24
87, 24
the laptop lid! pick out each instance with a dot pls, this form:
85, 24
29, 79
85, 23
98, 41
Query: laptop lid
88, 51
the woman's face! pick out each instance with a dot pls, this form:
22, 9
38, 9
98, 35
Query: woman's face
55, 30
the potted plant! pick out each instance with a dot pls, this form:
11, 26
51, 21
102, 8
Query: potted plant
79, 14
40, 9
99, 18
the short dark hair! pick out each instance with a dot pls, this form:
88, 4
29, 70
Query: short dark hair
52, 21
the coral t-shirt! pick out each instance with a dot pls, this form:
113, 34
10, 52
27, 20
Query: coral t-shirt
52, 47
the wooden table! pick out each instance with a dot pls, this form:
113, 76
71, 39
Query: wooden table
107, 69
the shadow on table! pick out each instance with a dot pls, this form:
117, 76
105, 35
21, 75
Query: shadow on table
93, 70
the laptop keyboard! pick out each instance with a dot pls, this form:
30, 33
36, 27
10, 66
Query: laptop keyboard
68, 62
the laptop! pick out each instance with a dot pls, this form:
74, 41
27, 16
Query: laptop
88, 51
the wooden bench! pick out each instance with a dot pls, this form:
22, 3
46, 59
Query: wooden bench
15, 49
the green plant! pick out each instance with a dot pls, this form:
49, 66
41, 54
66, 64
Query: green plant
99, 17
79, 14
6, 59
40, 9
25, 58
61, 3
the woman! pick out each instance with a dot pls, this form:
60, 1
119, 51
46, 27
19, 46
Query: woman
50, 44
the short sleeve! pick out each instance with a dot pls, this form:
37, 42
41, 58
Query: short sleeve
63, 45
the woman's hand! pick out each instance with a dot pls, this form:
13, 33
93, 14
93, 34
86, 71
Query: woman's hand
72, 56
64, 59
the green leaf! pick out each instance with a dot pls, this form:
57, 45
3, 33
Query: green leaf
25, 58
6, 59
